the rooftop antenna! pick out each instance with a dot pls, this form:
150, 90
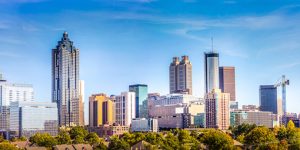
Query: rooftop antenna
212, 44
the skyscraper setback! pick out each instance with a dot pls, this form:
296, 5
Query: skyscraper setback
180, 74
65, 81
227, 81
211, 71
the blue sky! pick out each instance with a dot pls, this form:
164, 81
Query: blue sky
125, 42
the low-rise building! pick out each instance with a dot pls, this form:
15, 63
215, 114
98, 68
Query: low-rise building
106, 130
144, 125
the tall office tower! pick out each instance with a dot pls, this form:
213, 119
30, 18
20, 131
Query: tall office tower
28, 118
141, 103
81, 103
217, 109
125, 108
227, 81
102, 110
181, 75
12, 92
211, 71
268, 98
65, 81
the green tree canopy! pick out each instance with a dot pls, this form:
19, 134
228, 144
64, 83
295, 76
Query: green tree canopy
7, 146
78, 132
261, 137
63, 137
93, 139
43, 139
117, 144
215, 139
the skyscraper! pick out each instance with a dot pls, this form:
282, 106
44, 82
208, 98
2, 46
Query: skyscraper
227, 81
125, 108
211, 71
217, 109
180, 74
141, 103
268, 98
102, 110
81, 103
65, 81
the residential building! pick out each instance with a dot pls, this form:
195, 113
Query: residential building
180, 74
125, 108
101, 110
268, 98
106, 130
65, 81
28, 118
227, 81
144, 125
217, 109
81, 103
175, 110
211, 71
260, 118
249, 107
141, 103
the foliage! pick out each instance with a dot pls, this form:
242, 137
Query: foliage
242, 129
63, 137
289, 134
216, 139
43, 139
117, 144
7, 146
78, 132
92, 138
23, 138
262, 138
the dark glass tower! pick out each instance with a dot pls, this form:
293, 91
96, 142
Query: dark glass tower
268, 98
65, 81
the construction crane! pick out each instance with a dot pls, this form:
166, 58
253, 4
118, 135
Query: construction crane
283, 82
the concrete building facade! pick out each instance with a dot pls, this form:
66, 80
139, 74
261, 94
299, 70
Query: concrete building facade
125, 108
227, 81
260, 118
144, 125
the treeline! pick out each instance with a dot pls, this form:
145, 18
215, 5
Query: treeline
248, 137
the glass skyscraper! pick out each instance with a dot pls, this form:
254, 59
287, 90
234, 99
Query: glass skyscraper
268, 98
141, 103
65, 81
211, 71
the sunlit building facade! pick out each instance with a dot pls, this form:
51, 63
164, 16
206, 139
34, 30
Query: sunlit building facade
227, 81
125, 108
211, 71
141, 104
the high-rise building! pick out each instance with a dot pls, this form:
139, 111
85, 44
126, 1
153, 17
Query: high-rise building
125, 108
28, 118
12, 92
227, 81
180, 74
268, 98
141, 103
65, 81
217, 109
102, 110
81, 103
211, 71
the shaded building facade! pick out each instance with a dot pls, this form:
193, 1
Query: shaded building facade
180, 75
268, 98
65, 81
227, 81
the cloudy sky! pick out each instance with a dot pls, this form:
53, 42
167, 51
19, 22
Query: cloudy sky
125, 42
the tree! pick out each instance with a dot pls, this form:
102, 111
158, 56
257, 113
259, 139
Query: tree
117, 144
215, 139
7, 146
23, 138
262, 138
63, 137
242, 129
78, 132
92, 138
43, 139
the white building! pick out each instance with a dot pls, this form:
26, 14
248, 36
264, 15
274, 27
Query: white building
28, 118
144, 125
12, 92
175, 110
125, 108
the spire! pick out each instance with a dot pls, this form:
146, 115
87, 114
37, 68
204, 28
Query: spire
65, 35
212, 44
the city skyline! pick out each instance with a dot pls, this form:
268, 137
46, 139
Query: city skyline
109, 61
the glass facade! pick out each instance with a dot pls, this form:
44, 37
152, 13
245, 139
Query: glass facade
211, 66
141, 95
268, 98
28, 118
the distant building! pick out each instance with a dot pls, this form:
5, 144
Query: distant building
101, 110
180, 74
14, 92
4, 118
268, 98
81, 103
227, 81
249, 107
106, 131
141, 93
65, 81
176, 110
234, 105
211, 71
144, 125
125, 108
217, 109
28, 118
260, 118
